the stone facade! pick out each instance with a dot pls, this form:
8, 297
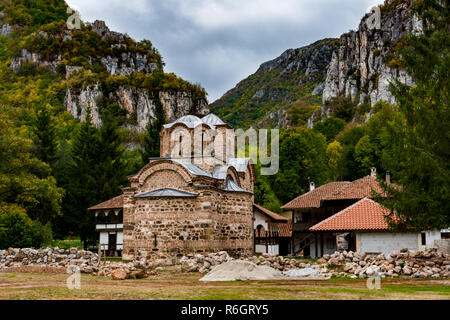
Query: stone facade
191, 203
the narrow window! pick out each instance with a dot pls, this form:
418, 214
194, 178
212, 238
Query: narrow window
203, 142
424, 239
181, 141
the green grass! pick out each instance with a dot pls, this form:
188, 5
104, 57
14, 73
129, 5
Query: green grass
171, 285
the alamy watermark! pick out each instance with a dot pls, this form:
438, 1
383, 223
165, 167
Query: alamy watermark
74, 281
373, 22
208, 146
374, 282
74, 20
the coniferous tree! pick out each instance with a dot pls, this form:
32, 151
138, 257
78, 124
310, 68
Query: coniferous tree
83, 187
151, 146
44, 131
110, 166
418, 139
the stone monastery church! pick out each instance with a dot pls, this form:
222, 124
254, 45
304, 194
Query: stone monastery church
197, 197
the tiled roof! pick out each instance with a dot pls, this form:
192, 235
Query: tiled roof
114, 203
270, 214
312, 199
358, 189
365, 214
284, 230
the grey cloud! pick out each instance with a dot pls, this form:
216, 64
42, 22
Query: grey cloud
218, 54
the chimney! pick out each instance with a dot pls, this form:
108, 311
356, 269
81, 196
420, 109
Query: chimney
388, 177
373, 172
312, 186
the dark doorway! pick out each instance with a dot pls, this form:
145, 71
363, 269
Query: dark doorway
112, 243
306, 248
284, 247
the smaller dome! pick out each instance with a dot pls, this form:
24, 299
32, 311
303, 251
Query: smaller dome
213, 119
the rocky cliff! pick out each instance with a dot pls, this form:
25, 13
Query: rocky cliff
362, 66
305, 85
98, 67
282, 92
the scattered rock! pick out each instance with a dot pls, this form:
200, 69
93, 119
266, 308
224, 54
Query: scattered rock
119, 274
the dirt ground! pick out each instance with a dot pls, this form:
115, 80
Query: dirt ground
168, 285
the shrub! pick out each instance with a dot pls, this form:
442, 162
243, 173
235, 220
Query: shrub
19, 231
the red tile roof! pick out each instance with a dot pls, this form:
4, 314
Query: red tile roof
270, 214
114, 203
312, 199
358, 189
284, 230
365, 214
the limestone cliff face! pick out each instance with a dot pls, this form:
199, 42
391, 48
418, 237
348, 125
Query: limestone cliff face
360, 67
138, 102
120, 59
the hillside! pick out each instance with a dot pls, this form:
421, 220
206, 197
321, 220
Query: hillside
86, 69
284, 91
345, 77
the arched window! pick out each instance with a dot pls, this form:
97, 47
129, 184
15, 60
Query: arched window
181, 145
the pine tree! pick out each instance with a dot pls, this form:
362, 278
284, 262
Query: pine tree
44, 131
151, 146
110, 166
83, 188
418, 138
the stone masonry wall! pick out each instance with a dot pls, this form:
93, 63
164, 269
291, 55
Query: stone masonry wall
212, 222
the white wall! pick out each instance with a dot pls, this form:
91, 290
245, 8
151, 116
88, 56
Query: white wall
430, 236
261, 248
260, 220
120, 240
104, 239
385, 242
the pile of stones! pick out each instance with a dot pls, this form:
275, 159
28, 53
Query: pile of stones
52, 257
69, 260
415, 264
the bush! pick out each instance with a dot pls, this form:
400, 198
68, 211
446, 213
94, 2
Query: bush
17, 230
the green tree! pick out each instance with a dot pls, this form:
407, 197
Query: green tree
365, 154
330, 127
334, 154
44, 132
302, 159
83, 188
348, 140
419, 138
24, 179
110, 165
264, 195
15, 227
151, 147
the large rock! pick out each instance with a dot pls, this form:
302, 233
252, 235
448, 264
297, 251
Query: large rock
119, 274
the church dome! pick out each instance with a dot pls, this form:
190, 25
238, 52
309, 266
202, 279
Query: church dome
213, 120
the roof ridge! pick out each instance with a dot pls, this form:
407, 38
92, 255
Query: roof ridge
340, 212
318, 188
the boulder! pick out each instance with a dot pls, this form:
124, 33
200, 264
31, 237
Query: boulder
119, 274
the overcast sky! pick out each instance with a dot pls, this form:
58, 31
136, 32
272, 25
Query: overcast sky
217, 43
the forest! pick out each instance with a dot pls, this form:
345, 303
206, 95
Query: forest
53, 167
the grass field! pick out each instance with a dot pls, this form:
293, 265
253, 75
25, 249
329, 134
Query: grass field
168, 285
